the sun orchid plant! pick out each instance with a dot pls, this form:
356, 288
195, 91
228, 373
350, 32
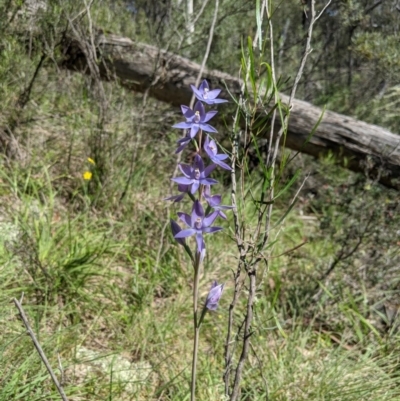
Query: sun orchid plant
196, 184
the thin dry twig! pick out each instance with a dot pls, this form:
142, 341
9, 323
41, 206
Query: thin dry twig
239, 238
243, 248
39, 348
250, 251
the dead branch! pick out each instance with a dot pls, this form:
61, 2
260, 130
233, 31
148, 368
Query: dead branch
357, 145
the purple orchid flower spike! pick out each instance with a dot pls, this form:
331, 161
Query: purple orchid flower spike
184, 189
196, 174
196, 119
215, 202
198, 224
214, 296
205, 95
211, 149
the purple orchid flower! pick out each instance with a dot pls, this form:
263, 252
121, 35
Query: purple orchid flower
215, 202
195, 174
198, 224
196, 119
211, 149
205, 95
184, 189
214, 296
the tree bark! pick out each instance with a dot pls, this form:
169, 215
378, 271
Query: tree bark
167, 76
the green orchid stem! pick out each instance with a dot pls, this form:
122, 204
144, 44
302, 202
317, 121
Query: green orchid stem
196, 326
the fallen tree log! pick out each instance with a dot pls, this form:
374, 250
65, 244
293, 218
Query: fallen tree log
167, 76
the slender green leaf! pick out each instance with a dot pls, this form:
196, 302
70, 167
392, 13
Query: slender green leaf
288, 184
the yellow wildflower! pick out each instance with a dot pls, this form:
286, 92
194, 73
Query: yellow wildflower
87, 175
91, 161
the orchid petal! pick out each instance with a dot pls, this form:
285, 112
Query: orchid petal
209, 169
223, 165
198, 209
183, 125
175, 228
214, 296
183, 180
187, 219
203, 252
215, 101
200, 242
184, 109
207, 128
208, 220
189, 114
183, 188
200, 108
198, 163
194, 129
208, 181
186, 169
214, 200
184, 139
181, 147
209, 116
185, 233
203, 85
195, 186
213, 94
223, 207
198, 93
211, 230
222, 215
175, 198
